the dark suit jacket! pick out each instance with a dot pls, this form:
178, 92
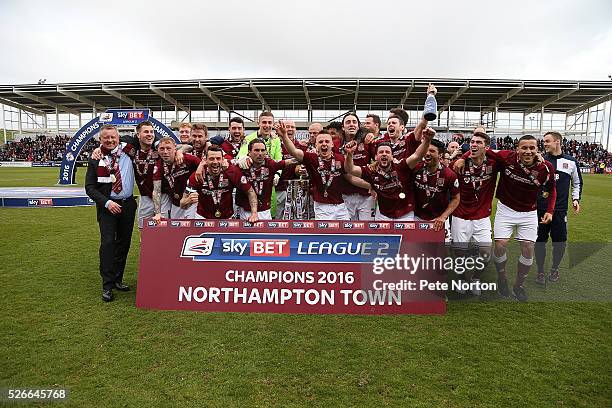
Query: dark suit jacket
99, 192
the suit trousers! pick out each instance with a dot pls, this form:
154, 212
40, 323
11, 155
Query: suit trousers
115, 240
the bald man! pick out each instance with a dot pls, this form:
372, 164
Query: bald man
453, 150
313, 130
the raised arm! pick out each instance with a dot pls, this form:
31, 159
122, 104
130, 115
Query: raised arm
418, 130
349, 166
417, 156
281, 130
357, 182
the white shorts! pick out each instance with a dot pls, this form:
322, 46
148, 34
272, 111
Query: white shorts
146, 210
507, 219
331, 211
360, 207
406, 217
463, 231
178, 213
447, 231
262, 215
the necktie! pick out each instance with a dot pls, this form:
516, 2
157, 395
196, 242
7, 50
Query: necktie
117, 186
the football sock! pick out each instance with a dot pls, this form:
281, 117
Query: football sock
522, 270
500, 264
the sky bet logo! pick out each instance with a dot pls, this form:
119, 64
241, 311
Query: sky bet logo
302, 248
256, 247
40, 202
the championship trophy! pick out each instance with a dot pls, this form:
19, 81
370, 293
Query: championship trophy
430, 112
298, 202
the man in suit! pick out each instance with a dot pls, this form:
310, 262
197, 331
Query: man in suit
110, 183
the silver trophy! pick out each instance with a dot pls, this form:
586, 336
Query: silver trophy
299, 202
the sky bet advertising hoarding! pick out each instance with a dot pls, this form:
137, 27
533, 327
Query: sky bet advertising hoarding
289, 267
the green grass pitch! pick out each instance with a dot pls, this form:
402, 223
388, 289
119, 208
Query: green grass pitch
56, 332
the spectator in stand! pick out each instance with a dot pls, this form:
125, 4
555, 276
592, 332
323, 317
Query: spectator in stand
42, 148
51, 148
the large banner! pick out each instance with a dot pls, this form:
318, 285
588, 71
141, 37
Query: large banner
119, 117
291, 267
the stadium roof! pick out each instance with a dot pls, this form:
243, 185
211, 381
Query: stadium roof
484, 95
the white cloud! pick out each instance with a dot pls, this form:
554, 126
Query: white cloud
80, 41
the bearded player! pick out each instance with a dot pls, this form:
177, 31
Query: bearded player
260, 172
326, 171
359, 203
214, 193
436, 189
392, 181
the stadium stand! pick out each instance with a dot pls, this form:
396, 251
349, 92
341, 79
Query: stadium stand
41, 148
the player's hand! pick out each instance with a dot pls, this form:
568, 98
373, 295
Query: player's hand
539, 158
179, 158
369, 138
276, 179
350, 147
458, 167
431, 89
373, 193
224, 164
187, 201
456, 153
301, 171
96, 154
253, 217
199, 173
280, 128
193, 198
429, 133
439, 223
576, 205
547, 218
303, 143
114, 208
244, 163
157, 218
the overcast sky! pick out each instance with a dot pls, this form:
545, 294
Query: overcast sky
81, 41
